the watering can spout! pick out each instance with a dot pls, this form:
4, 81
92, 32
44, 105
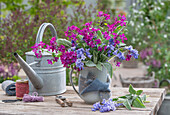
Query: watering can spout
32, 75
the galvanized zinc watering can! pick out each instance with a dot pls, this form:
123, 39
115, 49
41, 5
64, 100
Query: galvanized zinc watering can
43, 78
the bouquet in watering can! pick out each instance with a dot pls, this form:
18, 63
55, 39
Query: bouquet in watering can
91, 45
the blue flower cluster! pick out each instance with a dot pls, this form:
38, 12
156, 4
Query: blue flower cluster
133, 52
111, 48
120, 55
79, 64
106, 106
81, 56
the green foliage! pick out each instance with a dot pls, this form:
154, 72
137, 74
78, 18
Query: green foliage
133, 99
131, 90
109, 68
14, 78
148, 23
17, 35
63, 42
149, 27
12, 5
90, 64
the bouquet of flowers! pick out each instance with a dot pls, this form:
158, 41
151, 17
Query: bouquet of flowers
90, 46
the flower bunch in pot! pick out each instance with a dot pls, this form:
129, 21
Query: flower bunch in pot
88, 49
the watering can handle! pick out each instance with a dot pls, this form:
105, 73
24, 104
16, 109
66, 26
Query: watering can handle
42, 29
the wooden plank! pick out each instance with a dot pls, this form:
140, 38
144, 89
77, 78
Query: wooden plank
49, 106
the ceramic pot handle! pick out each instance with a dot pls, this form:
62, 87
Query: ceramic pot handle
71, 81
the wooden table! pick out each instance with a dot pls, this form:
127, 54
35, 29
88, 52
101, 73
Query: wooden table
50, 107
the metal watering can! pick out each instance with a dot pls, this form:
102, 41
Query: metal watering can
43, 78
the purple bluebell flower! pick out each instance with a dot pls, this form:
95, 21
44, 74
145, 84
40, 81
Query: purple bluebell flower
118, 104
112, 47
111, 41
79, 64
80, 53
88, 53
108, 53
73, 43
121, 56
134, 53
105, 106
115, 52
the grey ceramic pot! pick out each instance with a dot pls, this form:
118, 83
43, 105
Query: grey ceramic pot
97, 81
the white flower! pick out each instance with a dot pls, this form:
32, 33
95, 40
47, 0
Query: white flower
159, 8
132, 23
147, 19
159, 72
162, 3
166, 65
144, 42
149, 37
138, 26
142, 24
134, 4
168, 17
165, 35
139, 43
135, 11
162, 24
133, 39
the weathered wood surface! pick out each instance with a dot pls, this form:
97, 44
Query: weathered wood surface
50, 107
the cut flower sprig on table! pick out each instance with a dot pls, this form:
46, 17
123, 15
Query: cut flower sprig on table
91, 46
133, 99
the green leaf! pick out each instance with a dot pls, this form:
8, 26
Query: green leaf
127, 104
143, 97
139, 92
90, 64
99, 66
99, 33
124, 97
131, 89
95, 56
58, 54
115, 99
108, 66
79, 37
64, 42
122, 44
138, 103
103, 58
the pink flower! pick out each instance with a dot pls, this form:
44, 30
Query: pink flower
100, 13
105, 47
98, 41
49, 61
107, 16
99, 48
61, 48
123, 37
118, 64
128, 57
106, 35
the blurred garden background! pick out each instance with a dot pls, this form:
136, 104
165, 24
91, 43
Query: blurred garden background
148, 31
